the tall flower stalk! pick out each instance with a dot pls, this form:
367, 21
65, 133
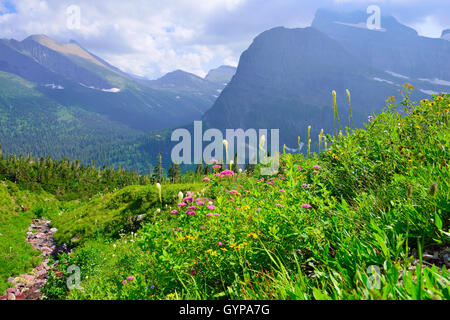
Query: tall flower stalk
225, 143
350, 119
309, 141
158, 186
336, 114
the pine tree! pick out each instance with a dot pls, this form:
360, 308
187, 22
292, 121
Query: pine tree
158, 172
174, 172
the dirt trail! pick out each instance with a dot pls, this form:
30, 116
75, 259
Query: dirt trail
27, 286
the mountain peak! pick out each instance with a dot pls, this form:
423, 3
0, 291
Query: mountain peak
358, 20
222, 74
70, 48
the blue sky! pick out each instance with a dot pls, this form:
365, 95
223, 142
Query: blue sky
152, 37
7, 7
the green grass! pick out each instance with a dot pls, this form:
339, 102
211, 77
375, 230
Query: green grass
114, 213
373, 197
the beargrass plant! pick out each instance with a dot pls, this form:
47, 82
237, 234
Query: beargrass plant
349, 223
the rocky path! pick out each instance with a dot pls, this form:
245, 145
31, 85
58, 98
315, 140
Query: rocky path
27, 286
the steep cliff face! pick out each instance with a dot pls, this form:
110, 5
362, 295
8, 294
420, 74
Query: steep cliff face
285, 79
394, 47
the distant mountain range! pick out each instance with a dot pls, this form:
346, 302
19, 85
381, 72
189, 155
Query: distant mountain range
285, 78
59, 99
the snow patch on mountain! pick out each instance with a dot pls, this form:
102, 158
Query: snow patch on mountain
361, 25
54, 86
397, 75
437, 81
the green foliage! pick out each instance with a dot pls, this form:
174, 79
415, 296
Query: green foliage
114, 213
340, 225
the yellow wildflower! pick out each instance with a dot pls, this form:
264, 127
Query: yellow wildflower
254, 235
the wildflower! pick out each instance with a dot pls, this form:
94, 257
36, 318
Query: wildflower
190, 213
305, 185
316, 172
262, 142
281, 191
202, 227
246, 207
370, 119
217, 166
226, 173
182, 204
254, 235
200, 203
124, 281
192, 208
130, 278
317, 167
180, 197
174, 212
188, 199
209, 215
170, 295
220, 244
211, 207
306, 206
279, 205
234, 191
216, 214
